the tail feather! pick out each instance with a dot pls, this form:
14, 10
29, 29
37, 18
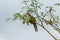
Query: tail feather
35, 27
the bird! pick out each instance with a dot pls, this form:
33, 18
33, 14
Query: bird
32, 21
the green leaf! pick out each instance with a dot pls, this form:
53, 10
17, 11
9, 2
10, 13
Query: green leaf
26, 0
32, 5
39, 7
23, 21
47, 7
23, 7
56, 18
7, 19
22, 17
57, 4
27, 21
43, 14
34, 0
31, 10
16, 16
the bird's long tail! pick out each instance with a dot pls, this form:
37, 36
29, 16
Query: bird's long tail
35, 27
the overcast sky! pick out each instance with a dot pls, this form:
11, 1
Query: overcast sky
15, 30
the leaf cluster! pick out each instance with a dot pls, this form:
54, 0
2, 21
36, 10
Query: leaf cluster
23, 17
33, 8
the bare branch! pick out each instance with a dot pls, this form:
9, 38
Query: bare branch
46, 30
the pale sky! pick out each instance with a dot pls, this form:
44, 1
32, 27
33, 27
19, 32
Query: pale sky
15, 30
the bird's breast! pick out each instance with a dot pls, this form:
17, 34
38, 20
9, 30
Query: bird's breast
32, 20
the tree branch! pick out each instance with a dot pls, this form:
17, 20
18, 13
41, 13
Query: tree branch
48, 22
46, 30
42, 23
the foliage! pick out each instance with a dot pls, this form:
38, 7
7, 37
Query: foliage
57, 4
33, 8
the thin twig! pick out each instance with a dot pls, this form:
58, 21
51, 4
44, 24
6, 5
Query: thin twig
47, 30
